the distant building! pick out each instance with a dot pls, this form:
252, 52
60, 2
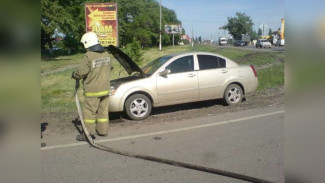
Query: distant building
186, 37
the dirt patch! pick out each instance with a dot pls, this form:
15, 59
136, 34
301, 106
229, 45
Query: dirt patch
269, 97
268, 65
64, 123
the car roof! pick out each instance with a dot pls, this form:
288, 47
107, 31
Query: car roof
194, 52
230, 62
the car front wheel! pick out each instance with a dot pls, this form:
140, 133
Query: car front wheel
138, 107
233, 94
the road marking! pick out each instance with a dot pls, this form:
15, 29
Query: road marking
164, 132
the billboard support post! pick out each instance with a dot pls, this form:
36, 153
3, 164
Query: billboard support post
173, 29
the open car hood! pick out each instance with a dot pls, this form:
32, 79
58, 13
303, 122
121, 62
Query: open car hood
125, 61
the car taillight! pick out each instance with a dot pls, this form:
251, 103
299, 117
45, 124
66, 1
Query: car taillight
253, 68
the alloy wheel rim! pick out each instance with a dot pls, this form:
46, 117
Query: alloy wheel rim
234, 95
139, 107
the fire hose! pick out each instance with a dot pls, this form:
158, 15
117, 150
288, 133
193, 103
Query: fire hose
156, 159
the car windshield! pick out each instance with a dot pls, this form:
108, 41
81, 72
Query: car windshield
264, 40
151, 67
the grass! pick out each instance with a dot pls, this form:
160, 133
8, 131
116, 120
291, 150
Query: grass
57, 88
57, 92
261, 58
52, 63
270, 77
153, 53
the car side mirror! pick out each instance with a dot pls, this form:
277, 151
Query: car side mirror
164, 73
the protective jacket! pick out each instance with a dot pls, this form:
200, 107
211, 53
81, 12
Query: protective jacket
95, 69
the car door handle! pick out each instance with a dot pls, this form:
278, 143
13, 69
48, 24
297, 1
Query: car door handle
191, 75
224, 71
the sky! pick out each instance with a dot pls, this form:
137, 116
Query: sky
207, 16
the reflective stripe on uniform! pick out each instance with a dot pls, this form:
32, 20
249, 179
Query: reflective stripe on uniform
102, 120
88, 94
90, 121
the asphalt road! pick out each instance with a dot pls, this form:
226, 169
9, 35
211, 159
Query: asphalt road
248, 142
253, 48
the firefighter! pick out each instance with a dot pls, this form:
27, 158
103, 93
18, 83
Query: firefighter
94, 70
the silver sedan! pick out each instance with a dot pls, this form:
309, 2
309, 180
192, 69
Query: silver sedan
179, 78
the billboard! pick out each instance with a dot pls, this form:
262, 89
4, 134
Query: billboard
173, 29
101, 18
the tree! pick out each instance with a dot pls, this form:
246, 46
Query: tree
65, 16
133, 50
241, 24
270, 32
137, 19
254, 35
259, 33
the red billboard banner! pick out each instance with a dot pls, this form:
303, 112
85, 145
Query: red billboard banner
101, 18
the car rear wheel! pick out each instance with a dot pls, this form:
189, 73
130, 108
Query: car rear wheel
138, 107
233, 94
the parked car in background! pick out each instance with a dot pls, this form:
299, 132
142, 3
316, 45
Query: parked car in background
240, 43
279, 42
222, 41
263, 43
178, 78
55, 48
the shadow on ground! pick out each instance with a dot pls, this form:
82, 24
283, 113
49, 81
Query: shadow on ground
118, 117
185, 107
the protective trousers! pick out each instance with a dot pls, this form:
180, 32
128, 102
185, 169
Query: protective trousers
95, 113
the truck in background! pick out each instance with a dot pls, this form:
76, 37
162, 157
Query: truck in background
222, 41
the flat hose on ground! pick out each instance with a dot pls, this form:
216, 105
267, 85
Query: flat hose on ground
159, 160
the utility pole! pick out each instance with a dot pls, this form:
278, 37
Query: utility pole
192, 36
160, 29
263, 30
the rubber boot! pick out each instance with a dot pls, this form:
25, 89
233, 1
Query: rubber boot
82, 137
102, 129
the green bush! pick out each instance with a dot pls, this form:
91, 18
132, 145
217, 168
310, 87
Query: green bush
133, 50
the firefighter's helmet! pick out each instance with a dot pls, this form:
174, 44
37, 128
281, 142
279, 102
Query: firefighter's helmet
89, 39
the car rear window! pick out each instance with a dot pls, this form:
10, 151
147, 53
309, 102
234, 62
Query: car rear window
211, 62
222, 62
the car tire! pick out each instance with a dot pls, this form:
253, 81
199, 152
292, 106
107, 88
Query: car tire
138, 107
233, 95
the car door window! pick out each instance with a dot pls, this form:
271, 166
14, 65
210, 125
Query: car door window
210, 62
184, 64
